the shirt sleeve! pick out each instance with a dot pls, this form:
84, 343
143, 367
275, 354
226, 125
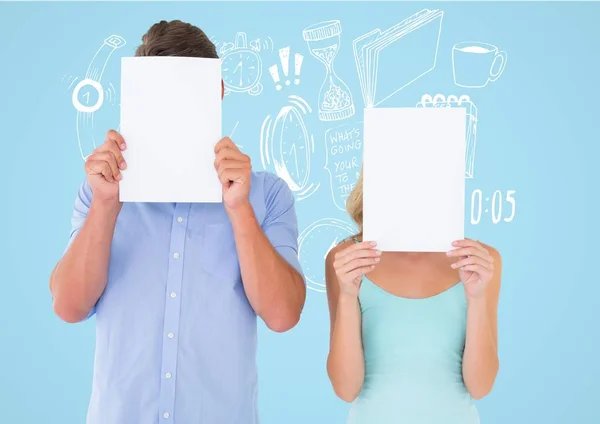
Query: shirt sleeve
80, 212
281, 224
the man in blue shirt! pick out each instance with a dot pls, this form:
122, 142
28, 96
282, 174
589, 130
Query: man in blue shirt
176, 287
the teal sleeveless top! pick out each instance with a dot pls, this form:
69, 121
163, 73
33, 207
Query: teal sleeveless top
413, 352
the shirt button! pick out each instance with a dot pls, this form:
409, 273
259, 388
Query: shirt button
166, 415
176, 255
168, 375
170, 335
179, 219
173, 295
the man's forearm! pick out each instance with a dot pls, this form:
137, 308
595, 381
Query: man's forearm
274, 288
80, 277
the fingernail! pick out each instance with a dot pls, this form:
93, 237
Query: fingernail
378, 252
373, 243
123, 146
449, 253
455, 243
123, 165
377, 259
453, 265
118, 177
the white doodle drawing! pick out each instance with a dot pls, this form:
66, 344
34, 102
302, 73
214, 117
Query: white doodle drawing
475, 64
258, 44
89, 95
314, 243
391, 60
242, 66
343, 159
439, 100
232, 132
284, 60
298, 60
335, 98
287, 147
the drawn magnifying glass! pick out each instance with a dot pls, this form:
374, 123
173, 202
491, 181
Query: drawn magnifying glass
89, 94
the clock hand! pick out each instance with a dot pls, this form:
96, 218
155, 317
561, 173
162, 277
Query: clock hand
293, 152
238, 66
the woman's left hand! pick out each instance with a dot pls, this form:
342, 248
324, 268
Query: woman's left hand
475, 267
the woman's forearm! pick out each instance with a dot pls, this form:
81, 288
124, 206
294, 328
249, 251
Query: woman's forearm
345, 363
480, 358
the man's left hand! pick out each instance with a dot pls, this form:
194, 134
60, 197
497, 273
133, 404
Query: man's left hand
235, 170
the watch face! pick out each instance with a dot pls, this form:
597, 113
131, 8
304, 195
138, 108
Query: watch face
314, 244
291, 148
241, 70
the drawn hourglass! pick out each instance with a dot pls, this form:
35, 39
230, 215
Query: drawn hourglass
335, 99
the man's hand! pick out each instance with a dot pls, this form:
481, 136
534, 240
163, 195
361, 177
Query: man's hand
234, 169
103, 168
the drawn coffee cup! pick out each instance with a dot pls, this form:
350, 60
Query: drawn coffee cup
474, 64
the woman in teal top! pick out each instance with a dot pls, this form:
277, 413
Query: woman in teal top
413, 335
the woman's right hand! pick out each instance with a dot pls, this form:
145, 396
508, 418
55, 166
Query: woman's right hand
352, 263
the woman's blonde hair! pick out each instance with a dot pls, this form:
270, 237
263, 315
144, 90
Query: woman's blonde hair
354, 203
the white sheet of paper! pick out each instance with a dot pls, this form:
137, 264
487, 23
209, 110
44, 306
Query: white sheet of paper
171, 121
413, 181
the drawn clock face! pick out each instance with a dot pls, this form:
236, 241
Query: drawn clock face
291, 148
241, 70
314, 244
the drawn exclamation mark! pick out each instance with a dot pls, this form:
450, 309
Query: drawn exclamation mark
298, 58
275, 75
284, 58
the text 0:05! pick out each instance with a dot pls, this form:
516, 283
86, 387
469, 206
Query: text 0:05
495, 207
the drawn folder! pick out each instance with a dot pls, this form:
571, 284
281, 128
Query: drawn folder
388, 61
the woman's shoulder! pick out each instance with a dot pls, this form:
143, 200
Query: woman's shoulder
345, 243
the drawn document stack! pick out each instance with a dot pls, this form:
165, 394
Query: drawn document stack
388, 61
439, 100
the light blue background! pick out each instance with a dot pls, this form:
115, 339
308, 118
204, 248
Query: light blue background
538, 135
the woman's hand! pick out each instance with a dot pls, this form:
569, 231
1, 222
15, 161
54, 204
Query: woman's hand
476, 266
352, 263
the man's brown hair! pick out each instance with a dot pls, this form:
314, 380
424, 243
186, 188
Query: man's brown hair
176, 38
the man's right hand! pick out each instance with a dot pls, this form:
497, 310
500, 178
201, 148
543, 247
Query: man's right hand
103, 168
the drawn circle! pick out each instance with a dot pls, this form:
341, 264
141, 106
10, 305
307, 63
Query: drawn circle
84, 83
314, 243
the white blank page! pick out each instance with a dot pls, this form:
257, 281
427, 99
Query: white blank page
413, 182
171, 121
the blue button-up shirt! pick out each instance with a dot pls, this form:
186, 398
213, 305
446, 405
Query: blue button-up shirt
175, 333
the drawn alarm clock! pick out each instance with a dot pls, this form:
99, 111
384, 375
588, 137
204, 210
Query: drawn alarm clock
241, 67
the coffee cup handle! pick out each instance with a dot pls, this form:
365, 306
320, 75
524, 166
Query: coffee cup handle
502, 56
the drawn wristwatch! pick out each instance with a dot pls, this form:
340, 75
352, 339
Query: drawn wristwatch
91, 88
